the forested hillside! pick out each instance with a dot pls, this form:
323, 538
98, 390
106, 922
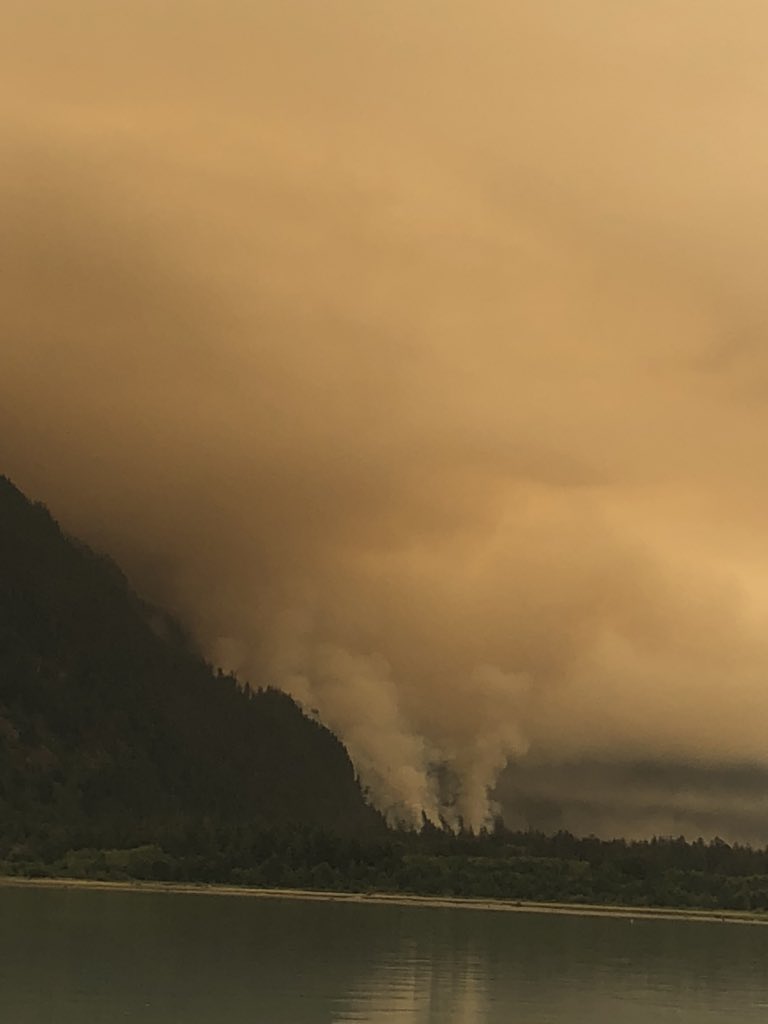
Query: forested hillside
113, 730
123, 755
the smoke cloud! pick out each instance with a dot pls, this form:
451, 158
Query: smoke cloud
414, 355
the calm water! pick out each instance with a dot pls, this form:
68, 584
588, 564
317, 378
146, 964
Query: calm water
104, 957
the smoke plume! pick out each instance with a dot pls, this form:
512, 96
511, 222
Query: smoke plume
415, 356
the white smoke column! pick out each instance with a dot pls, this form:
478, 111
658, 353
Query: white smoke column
494, 735
355, 696
417, 757
448, 779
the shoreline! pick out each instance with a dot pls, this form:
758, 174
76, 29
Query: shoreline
394, 899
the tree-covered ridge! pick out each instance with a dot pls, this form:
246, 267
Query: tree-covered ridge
111, 723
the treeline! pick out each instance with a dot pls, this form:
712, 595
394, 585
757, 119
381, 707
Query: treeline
497, 864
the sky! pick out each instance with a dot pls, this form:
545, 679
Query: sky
414, 355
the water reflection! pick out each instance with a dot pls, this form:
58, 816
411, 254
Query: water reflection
516, 968
431, 982
99, 958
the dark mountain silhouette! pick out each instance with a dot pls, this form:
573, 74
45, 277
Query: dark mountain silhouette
113, 729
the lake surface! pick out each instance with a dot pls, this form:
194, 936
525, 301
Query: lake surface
79, 957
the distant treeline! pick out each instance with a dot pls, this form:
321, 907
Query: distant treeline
496, 864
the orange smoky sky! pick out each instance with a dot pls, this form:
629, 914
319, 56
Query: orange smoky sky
415, 354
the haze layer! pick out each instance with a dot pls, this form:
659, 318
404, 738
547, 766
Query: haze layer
415, 354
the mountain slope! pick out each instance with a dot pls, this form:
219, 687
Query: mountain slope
111, 725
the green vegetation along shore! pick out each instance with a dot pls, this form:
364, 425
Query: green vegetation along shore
493, 865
